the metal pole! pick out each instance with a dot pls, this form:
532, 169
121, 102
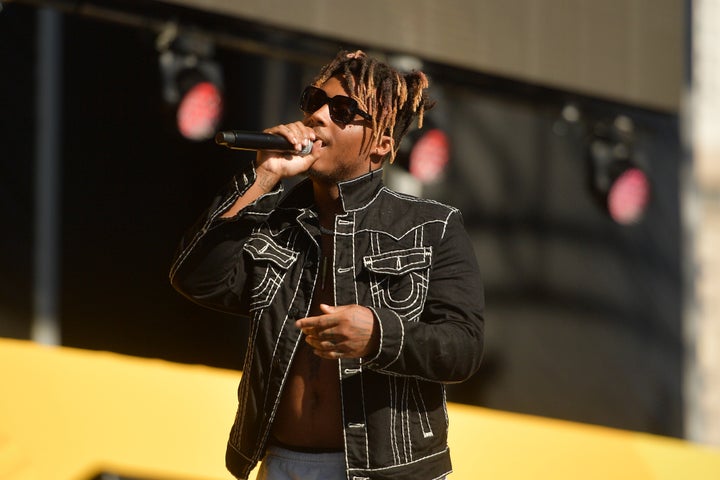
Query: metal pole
273, 98
46, 326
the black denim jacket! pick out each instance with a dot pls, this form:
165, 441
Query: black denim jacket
407, 259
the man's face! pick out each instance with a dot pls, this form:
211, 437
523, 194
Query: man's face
345, 149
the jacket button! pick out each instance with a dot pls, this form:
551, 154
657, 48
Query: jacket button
293, 313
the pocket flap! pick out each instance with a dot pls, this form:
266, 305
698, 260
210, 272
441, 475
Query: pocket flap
399, 262
263, 248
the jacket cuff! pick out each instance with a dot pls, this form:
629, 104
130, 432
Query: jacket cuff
392, 339
240, 184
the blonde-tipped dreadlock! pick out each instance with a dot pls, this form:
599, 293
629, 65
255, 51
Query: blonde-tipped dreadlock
392, 99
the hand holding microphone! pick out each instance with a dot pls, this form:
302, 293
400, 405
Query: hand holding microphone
243, 140
283, 151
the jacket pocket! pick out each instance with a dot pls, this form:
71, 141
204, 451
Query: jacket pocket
271, 263
399, 280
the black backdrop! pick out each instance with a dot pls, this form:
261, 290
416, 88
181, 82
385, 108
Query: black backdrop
584, 318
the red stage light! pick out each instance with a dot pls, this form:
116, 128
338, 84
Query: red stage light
199, 111
618, 179
192, 82
429, 156
628, 196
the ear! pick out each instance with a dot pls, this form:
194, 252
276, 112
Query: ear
384, 146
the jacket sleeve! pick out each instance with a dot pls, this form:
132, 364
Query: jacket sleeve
446, 344
208, 266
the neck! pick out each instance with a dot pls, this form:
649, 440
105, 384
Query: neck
327, 200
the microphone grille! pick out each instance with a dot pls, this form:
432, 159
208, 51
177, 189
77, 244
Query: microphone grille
306, 150
224, 138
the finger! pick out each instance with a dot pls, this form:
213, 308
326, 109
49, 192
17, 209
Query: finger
329, 335
283, 131
327, 309
296, 133
323, 346
330, 355
320, 322
302, 134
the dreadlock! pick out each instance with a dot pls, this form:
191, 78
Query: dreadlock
392, 99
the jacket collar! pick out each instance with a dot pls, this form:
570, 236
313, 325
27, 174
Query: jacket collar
359, 192
354, 194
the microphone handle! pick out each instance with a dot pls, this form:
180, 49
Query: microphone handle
242, 140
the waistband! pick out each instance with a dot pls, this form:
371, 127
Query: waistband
306, 456
274, 442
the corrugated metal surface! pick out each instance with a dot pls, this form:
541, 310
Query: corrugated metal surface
625, 50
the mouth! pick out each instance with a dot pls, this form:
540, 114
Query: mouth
318, 140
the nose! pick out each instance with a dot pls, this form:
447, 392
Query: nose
321, 116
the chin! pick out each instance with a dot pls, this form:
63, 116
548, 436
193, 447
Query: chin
320, 176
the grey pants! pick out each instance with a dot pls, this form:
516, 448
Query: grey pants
282, 464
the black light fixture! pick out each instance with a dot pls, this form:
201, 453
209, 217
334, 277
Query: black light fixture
424, 152
192, 82
617, 180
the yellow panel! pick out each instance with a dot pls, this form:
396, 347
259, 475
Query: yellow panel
67, 414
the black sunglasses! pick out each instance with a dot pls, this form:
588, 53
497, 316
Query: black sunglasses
342, 108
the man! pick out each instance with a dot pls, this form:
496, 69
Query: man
363, 302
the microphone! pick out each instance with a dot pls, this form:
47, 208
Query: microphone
241, 140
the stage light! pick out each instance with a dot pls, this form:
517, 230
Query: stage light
620, 185
192, 83
199, 111
628, 196
426, 154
